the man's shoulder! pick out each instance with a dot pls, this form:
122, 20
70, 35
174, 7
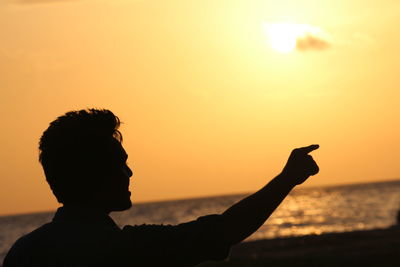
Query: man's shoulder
34, 237
28, 243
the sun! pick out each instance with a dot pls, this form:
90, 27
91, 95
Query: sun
283, 36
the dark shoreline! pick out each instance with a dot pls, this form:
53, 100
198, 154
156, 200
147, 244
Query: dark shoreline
378, 247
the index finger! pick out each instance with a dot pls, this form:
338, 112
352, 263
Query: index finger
308, 149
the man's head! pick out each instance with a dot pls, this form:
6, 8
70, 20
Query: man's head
84, 161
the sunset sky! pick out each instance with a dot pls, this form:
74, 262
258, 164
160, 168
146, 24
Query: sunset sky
212, 99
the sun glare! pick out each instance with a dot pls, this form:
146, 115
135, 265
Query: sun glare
283, 36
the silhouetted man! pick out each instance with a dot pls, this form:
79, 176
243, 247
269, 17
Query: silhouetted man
85, 166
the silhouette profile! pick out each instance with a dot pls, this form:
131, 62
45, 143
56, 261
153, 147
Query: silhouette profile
85, 165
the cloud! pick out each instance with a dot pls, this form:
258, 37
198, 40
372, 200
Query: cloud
311, 42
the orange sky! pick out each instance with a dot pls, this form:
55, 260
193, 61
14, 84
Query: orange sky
208, 106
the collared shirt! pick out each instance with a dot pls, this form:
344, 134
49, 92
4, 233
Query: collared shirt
75, 239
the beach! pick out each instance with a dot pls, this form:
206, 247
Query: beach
379, 247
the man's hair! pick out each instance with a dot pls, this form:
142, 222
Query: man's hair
74, 151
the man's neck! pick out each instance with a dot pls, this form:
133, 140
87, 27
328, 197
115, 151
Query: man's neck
86, 210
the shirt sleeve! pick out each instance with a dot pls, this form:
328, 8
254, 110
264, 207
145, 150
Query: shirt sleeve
186, 244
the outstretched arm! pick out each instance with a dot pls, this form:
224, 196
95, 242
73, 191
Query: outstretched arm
245, 217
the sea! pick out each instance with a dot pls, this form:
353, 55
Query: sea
305, 211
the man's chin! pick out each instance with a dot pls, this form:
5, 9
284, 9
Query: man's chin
122, 205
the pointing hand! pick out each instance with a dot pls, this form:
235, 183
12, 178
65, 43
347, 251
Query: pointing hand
300, 165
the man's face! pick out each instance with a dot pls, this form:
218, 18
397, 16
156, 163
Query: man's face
114, 192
